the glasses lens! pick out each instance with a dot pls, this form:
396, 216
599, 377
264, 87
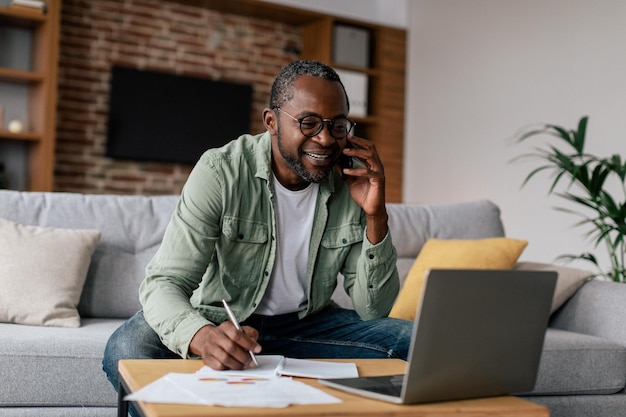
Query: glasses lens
340, 128
311, 125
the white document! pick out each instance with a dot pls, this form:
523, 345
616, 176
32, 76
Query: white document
230, 391
276, 365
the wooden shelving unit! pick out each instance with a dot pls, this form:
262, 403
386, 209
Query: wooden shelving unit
40, 81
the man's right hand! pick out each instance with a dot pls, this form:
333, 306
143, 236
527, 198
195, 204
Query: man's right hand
224, 347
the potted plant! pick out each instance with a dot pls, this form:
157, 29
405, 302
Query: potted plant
589, 178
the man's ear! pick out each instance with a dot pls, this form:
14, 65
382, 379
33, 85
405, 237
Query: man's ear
269, 120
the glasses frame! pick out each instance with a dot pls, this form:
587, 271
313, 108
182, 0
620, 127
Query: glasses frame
329, 122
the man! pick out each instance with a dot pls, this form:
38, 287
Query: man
266, 223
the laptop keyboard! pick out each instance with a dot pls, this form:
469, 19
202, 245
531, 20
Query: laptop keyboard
388, 385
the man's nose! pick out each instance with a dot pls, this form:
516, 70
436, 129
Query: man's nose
324, 137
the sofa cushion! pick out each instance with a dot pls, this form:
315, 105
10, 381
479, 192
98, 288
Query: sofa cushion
490, 253
132, 229
42, 272
610, 405
411, 225
573, 363
49, 366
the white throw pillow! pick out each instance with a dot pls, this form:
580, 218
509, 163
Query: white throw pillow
42, 272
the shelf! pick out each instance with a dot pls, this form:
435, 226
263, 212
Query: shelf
25, 136
372, 72
22, 16
27, 77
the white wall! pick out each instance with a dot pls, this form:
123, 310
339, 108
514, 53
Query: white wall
478, 71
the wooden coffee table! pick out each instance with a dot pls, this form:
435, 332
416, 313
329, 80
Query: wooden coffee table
134, 374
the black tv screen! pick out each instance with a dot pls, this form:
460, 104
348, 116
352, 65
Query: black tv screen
171, 118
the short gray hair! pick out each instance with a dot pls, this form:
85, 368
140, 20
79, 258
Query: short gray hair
282, 88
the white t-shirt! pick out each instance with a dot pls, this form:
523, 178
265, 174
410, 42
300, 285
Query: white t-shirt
287, 289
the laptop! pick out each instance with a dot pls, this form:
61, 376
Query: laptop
477, 333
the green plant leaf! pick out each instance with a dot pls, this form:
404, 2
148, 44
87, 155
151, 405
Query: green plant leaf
561, 133
579, 135
588, 189
532, 133
598, 177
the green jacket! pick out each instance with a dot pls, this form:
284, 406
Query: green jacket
220, 244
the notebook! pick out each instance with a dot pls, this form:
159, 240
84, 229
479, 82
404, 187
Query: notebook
477, 333
278, 365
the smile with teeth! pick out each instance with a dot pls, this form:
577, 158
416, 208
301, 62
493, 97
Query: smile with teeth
317, 156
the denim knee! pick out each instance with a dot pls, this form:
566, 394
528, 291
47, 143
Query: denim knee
403, 330
134, 339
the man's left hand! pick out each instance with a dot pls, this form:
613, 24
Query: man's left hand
367, 185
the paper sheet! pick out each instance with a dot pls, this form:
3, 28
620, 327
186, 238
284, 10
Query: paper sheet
268, 368
234, 391
318, 369
274, 365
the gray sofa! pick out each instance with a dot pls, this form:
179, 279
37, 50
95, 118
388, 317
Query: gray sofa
53, 371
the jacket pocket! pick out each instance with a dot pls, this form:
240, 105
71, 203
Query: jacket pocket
342, 236
244, 250
336, 252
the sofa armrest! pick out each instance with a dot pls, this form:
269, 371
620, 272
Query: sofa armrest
598, 308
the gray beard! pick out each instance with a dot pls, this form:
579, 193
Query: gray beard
295, 164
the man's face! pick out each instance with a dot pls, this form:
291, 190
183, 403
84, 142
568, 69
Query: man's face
297, 159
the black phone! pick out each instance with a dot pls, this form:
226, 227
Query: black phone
345, 161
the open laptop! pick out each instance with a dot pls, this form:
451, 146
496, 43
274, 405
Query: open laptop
477, 333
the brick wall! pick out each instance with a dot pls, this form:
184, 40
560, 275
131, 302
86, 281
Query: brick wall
157, 35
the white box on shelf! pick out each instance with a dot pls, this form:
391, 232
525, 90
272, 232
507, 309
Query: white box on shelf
356, 85
351, 46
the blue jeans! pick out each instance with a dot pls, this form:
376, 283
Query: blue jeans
331, 333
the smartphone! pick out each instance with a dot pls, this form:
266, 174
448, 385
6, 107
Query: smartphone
345, 161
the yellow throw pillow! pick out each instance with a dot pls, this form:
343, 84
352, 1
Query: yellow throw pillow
490, 253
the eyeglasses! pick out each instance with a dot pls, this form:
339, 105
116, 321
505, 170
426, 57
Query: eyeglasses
313, 124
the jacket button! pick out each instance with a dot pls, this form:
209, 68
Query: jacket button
344, 241
240, 236
371, 256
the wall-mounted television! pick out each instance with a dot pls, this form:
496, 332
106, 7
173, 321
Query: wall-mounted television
162, 117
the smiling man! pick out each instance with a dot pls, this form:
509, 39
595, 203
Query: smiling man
267, 223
